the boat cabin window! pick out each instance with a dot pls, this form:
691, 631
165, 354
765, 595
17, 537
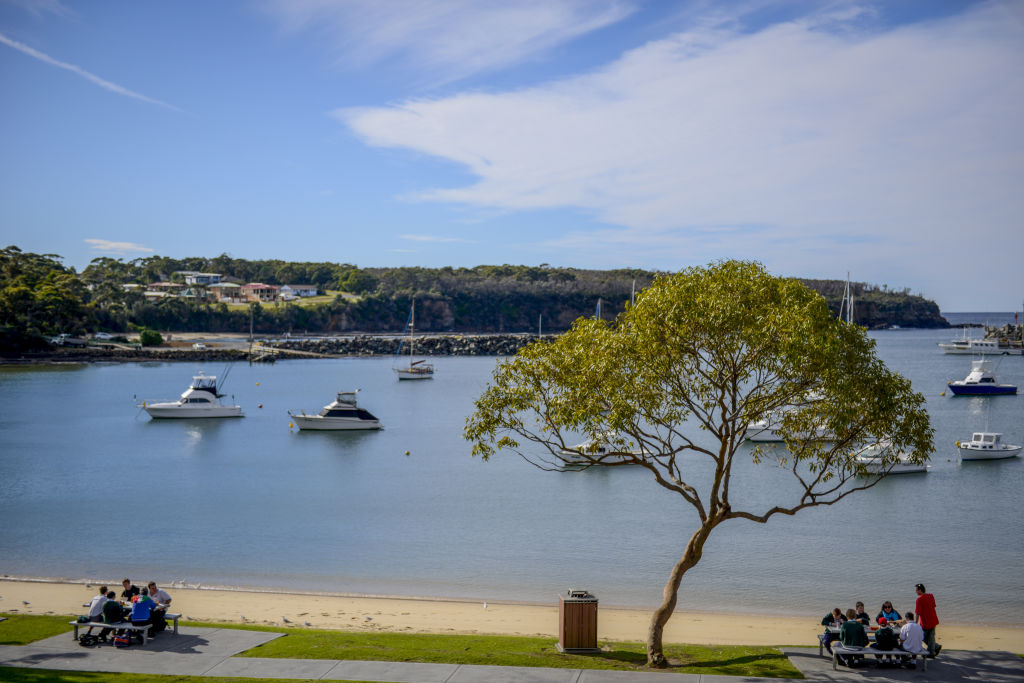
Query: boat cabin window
989, 438
987, 379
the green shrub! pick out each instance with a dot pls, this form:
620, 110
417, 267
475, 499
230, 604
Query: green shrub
150, 338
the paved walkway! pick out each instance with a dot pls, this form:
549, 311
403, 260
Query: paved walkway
208, 652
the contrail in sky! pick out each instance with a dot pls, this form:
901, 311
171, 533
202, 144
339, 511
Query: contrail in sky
113, 87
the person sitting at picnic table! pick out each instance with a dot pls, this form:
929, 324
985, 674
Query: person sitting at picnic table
96, 605
852, 634
911, 635
113, 613
130, 590
163, 600
862, 616
889, 612
142, 611
833, 618
885, 639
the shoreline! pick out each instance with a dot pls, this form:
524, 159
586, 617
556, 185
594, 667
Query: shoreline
391, 614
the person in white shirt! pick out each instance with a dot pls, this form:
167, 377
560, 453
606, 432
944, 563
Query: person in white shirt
163, 601
96, 605
159, 595
911, 635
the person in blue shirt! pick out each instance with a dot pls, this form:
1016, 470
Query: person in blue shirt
142, 611
889, 612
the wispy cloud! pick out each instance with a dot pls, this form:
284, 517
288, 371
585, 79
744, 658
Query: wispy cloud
436, 238
111, 247
908, 134
449, 39
92, 78
40, 7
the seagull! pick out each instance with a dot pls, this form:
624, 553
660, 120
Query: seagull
189, 619
25, 602
306, 623
485, 604
286, 620
243, 617
369, 618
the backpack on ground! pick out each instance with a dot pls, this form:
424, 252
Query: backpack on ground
122, 639
88, 640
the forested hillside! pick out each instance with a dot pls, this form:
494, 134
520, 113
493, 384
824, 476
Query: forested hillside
40, 296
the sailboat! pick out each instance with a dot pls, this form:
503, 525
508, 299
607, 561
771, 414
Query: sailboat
416, 369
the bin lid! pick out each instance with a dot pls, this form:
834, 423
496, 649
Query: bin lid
578, 595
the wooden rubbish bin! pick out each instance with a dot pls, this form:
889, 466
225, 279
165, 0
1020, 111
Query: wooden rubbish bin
577, 622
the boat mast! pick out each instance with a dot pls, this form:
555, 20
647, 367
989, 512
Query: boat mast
412, 326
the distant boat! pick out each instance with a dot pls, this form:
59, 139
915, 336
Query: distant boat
871, 457
980, 382
598, 448
200, 400
987, 446
416, 369
341, 414
979, 347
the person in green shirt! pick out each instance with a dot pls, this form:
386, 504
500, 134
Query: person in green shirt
851, 634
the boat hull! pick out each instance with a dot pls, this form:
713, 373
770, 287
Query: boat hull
989, 454
322, 424
973, 350
982, 390
414, 374
174, 411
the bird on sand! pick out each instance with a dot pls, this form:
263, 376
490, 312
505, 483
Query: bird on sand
25, 602
306, 623
286, 620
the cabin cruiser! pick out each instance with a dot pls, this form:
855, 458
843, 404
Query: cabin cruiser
201, 399
871, 457
980, 382
598, 449
342, 413
979, 347
987, 446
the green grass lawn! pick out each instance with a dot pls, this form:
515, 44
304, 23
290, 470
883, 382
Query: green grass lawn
301, 643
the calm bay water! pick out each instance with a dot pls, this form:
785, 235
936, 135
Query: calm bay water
249, 502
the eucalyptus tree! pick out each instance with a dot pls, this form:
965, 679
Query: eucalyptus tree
681, 378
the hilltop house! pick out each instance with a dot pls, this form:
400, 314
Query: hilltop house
194, 278
257, 291
289, 292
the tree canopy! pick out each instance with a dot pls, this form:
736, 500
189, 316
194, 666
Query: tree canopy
677, 383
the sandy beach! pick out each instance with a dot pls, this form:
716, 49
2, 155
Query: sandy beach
422, 615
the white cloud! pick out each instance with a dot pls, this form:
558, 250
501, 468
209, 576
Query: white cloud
449, 39
110, 247
435, 238
106, 85
829, 142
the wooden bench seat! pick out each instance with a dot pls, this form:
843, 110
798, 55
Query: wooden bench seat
840, 649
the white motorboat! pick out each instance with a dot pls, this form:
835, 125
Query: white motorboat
979, 347
768, 431
200, 400
341, 413
871, 457
981, 382
987, 446
416, 369
598, 448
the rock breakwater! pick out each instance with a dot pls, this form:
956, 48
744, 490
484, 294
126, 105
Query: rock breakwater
428, 345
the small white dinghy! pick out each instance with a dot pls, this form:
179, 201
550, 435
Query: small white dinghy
871, 457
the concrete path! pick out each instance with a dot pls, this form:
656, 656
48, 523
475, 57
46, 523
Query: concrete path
209, 652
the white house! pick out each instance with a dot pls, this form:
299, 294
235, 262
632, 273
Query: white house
292, 291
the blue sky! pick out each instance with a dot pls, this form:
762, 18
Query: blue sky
820, 138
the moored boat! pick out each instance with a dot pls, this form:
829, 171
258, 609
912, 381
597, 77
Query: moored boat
987, 446
416, 369
872, 458
341, 414
980, 347
980, 382
200, 400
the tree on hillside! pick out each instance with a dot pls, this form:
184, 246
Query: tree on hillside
675, 384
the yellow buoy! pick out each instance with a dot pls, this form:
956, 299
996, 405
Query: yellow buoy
257, 383
943, 393
290, 425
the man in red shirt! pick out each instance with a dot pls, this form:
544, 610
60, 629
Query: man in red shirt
927, 618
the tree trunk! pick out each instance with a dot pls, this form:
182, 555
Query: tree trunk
691, 556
